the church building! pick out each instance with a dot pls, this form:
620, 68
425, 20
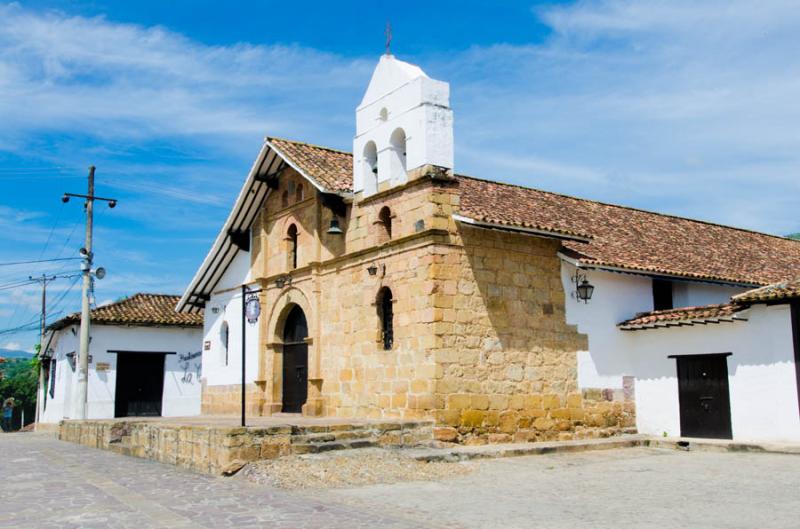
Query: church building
390, 286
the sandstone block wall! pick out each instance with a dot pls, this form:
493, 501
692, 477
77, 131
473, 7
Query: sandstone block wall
507, 357
481, 341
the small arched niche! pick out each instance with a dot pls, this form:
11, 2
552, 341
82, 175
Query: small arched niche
384, 224
299, 193
370, 163
398, 158
291, 247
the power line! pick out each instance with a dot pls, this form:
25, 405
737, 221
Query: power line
18, 284
52, 229
29, 326
15, 263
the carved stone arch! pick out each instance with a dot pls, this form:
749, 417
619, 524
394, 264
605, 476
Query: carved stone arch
280, 310
273, 360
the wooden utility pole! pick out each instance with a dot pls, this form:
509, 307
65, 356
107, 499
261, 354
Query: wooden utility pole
82, 392
43, 280
86, 271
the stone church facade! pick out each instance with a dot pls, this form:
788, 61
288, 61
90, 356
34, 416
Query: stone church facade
383, 297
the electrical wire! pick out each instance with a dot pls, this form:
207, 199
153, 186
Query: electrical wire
34, 261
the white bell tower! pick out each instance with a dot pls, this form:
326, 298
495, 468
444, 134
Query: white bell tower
403, 122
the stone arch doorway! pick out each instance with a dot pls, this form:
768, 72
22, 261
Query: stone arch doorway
295, 361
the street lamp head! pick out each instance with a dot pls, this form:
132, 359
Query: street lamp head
65, 198
100, 273
112, 204
585, 290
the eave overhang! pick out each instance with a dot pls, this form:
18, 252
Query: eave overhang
549, 234
254, 192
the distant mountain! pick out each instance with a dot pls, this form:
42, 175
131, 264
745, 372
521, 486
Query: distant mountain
11, 353
794, 236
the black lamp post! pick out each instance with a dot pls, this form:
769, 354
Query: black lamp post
251, 310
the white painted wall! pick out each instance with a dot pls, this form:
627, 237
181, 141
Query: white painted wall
216, 370
181, 395
761, 374
616, 298
691, 294
225, 306
761, 370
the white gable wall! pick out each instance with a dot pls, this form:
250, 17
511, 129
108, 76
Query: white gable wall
181, 395
225, 307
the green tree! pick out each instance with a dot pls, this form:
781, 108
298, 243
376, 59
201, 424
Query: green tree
20, 378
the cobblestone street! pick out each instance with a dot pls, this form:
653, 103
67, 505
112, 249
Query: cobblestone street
52, 484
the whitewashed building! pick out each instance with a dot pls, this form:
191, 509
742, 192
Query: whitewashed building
144, 360
723, 362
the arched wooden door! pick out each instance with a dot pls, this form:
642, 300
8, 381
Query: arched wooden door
295, 361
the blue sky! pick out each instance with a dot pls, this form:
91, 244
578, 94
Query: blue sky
684, 107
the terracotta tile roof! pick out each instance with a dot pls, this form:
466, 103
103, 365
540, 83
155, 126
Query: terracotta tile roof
138, 310
775, 292
620, 237
683, 316
638, 240
332, 169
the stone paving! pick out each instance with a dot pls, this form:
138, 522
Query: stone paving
615, 489
51, 484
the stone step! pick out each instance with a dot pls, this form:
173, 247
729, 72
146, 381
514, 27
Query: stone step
345, 435
315, 448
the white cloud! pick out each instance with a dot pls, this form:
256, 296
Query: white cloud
684, 106
124, 80
16, 346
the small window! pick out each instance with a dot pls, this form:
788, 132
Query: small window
386, 317
662, 294
291, 237
385, 220
285, 199
52, 378
299, 193
224, 336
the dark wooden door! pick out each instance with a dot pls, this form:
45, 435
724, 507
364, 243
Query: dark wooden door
295, 361
140, 384
705, 405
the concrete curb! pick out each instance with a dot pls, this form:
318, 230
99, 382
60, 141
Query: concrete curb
468, 453
720, 445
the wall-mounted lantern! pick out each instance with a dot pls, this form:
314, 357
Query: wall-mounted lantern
334, 229
583, 289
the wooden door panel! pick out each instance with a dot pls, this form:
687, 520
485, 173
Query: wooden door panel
704, 396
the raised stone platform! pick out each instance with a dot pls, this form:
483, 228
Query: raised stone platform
217, 445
